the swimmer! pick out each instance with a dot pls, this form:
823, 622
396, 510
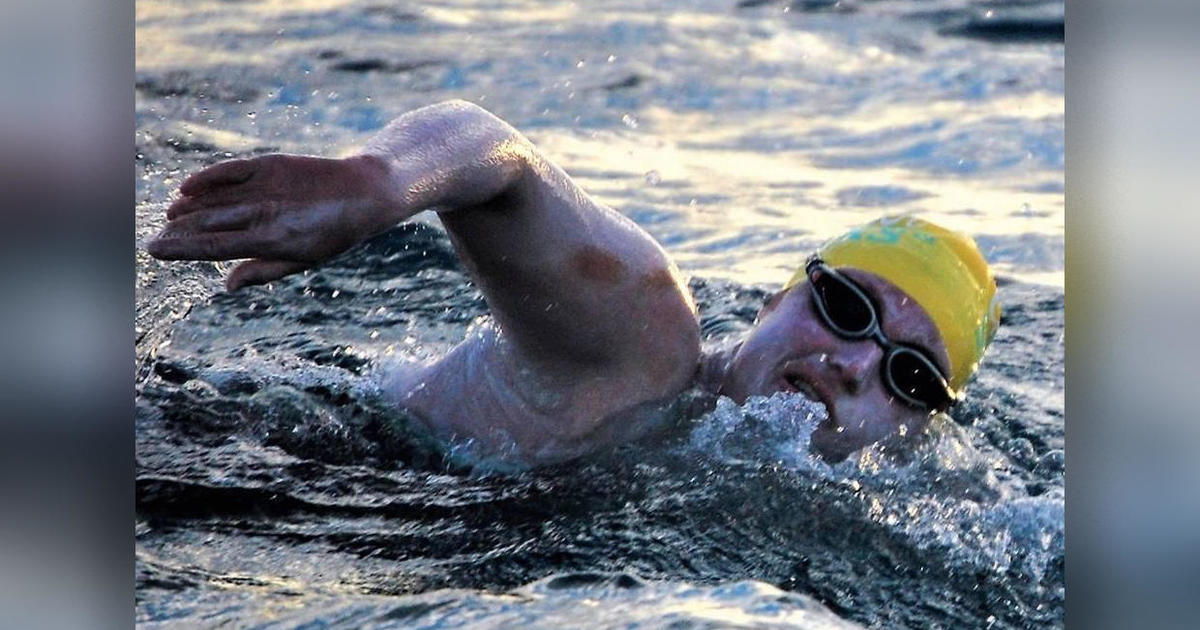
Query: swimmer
595, 331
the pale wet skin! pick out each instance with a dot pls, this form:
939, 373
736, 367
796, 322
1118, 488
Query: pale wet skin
595, 334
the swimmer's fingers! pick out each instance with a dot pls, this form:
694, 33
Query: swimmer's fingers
173, 244
183, 206
260, 272
230, 195
223, 174
221, 219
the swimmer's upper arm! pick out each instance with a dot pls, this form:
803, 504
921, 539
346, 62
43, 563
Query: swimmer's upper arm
575, 285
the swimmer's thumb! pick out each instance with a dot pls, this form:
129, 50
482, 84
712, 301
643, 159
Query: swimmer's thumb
260, 272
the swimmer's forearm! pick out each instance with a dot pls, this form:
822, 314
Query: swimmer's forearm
446, 156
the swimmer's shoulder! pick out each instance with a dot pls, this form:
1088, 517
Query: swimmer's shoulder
486, 392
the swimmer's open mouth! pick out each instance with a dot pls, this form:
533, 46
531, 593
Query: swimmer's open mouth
792, 382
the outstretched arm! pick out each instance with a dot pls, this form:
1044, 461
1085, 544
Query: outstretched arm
569, 281
288, 212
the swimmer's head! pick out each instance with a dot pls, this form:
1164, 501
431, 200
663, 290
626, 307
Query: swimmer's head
942, 270
884, 326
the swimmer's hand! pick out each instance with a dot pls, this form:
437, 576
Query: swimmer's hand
285, 213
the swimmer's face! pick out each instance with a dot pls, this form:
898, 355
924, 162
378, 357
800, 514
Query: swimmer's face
791, 349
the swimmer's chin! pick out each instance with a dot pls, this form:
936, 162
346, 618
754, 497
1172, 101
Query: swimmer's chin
826, 441
830, 445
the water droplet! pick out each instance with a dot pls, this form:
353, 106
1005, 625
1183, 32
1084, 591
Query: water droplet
823, 357
629, 121
653, 178
251, 115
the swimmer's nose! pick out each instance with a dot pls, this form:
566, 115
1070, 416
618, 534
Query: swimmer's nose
854, 363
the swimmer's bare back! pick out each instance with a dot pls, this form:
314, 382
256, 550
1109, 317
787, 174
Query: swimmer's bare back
593, 325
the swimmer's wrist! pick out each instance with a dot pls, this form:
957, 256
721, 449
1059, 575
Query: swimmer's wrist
386, 205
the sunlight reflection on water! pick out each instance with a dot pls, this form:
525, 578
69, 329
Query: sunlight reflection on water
764, 126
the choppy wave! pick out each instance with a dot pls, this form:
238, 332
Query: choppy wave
259, 432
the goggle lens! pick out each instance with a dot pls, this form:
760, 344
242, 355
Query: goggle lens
845, 308
913, 377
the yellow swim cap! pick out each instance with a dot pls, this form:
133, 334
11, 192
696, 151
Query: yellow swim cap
942, 270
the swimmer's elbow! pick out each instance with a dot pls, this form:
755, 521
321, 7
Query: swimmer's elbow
451, 154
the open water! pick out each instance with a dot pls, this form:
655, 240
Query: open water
273, 490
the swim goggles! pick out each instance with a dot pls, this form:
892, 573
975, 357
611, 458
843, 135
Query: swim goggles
908, 372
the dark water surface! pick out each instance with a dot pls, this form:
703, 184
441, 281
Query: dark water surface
273, 490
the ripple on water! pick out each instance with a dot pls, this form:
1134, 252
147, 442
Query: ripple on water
257, 433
